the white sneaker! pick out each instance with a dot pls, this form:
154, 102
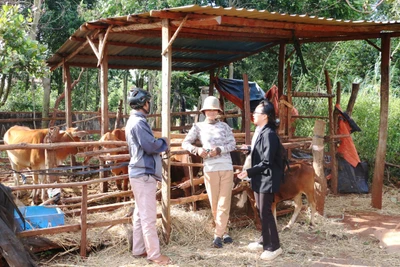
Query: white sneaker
255, 246
270, 255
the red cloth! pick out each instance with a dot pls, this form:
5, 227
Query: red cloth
346, 148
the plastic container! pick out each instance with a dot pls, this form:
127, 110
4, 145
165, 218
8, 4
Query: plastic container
37, 217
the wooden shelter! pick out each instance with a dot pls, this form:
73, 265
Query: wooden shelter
203, 38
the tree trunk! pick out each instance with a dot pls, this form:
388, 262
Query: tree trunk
46, 100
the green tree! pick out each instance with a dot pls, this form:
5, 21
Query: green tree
20, 56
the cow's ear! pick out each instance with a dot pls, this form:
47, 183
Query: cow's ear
79, 134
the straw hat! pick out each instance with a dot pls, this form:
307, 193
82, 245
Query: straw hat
211, 103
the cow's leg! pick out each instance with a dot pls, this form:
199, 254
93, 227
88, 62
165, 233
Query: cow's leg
35, 192
16, 176
297, 208
311, 203
43, 179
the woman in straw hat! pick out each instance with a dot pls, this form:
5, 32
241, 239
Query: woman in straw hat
217, 142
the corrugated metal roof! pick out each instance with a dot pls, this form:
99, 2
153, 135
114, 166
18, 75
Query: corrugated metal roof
210, 37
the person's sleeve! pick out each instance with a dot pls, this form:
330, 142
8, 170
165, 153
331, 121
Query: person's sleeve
147, 141
190, 139
230, 143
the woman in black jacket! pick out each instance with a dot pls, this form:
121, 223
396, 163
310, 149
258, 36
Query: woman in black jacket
266, 175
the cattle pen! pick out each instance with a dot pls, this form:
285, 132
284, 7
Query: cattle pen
86, 198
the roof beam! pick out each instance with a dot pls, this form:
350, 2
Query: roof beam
158, 47
157, 59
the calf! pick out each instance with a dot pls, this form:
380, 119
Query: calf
117, 135
34, 159
299, 179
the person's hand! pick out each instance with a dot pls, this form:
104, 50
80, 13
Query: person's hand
202, 152
166, 140
242, 175
244, 146
214, 152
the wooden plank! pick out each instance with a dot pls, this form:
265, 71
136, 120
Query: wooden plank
379, 171
311, 94
166, 61
174, 36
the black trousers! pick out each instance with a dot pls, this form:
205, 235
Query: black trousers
270, 238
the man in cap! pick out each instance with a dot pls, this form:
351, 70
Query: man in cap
144, 171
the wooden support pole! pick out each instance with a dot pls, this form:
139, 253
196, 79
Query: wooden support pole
104, 88
166, 60
331, 142
281, 69
84, 221
379, 171
50, 154
290, 106
68, 97
318, 164
246, 105
211, 86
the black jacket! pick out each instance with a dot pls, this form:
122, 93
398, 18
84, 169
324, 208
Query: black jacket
267, 168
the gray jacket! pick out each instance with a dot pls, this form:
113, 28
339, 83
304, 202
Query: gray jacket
144, 148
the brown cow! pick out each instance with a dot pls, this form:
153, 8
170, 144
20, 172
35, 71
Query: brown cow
298, 180
116, 135
34, 159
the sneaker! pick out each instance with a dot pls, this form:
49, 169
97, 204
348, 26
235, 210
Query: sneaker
270, 255
227, 239
255, 246
217, 243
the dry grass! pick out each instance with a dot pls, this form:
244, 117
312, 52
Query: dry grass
326, 244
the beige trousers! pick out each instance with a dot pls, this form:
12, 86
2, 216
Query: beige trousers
145, 238
219, 186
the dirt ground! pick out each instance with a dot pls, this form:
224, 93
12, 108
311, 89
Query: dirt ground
350, 234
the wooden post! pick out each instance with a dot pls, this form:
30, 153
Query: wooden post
333, 148
190, 168
166, 60
289, 109
84, 221
318, 164
50, 154
246, 105
331, 127
211, 87
281, 69
104, 86
68, 97
379, 171
354, 91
